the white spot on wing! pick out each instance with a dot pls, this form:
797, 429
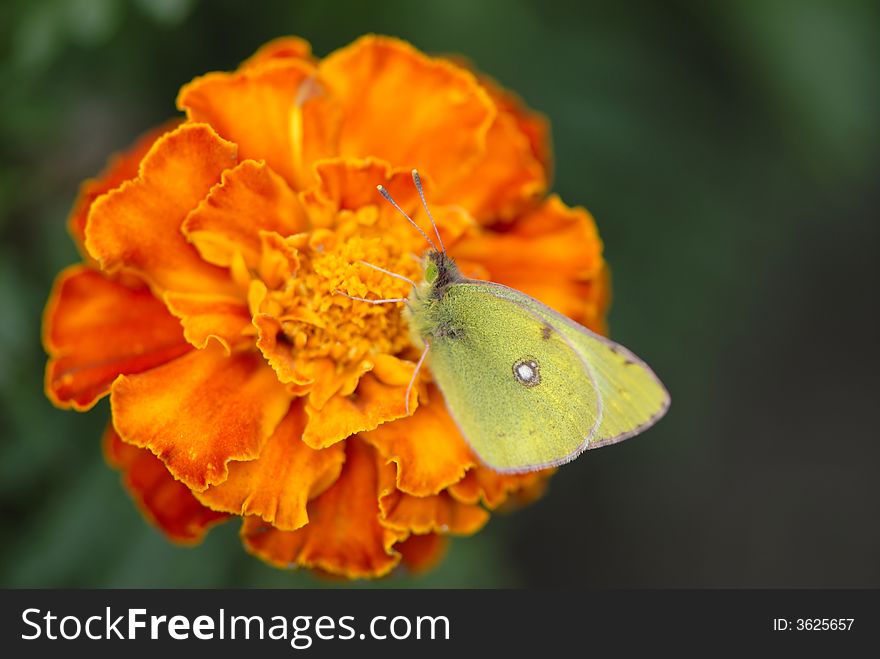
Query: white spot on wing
527, 372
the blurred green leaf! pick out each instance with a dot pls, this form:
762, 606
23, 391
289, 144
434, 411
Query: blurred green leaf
167, 12
91, 22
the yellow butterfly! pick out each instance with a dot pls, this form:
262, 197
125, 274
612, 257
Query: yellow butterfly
528, 387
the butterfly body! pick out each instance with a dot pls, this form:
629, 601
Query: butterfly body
528, 387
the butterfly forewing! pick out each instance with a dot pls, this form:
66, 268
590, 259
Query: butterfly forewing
520, 391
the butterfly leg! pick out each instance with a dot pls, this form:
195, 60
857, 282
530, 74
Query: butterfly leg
388, 272
363, 299
416, 373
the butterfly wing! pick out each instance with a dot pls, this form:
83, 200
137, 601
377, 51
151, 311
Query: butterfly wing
524, 398
631, 396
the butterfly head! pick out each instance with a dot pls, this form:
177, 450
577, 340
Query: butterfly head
440, 269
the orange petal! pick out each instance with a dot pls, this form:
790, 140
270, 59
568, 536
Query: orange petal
277, 485
279, 50
210, 316
320, 378
551, 254
277, 349
348, 184
507, 180
279, 259
122, 167
427, 447
371, 404
441, 134
137, 226
167, 503
421, 553
94, 329
343, 536
527, 492
328, 379
200, 411
392, 370
453, 222
533, 125
436, 513
276, 113
493, 489
248, 199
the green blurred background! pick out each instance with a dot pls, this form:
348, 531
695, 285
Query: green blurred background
730, 154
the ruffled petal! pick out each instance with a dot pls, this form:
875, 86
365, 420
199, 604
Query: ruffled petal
277, 485
343, 536
349, 184
94, 329
279, 259
553, 254
421, 553
392, 370
279, 50
533, 125
441, 134
167, 503
278, 113
485, 485
121, 168
506, 181
430, 514
371, 404
137, 226
427, 447
278, 350
200, 411
438, 513
527, 492
328, 380
249, 198
211, 316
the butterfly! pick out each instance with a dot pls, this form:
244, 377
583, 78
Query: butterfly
528, 387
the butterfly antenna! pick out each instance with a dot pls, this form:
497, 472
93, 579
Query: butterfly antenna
390, 199
418, 181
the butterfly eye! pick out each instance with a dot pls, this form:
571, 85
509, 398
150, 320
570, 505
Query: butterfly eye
431, 272
527, 372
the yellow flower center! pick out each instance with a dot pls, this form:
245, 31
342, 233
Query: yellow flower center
315, 314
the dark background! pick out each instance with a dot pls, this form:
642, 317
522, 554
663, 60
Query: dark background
730, 154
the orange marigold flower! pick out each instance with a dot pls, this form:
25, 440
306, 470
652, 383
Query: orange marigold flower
207, 307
